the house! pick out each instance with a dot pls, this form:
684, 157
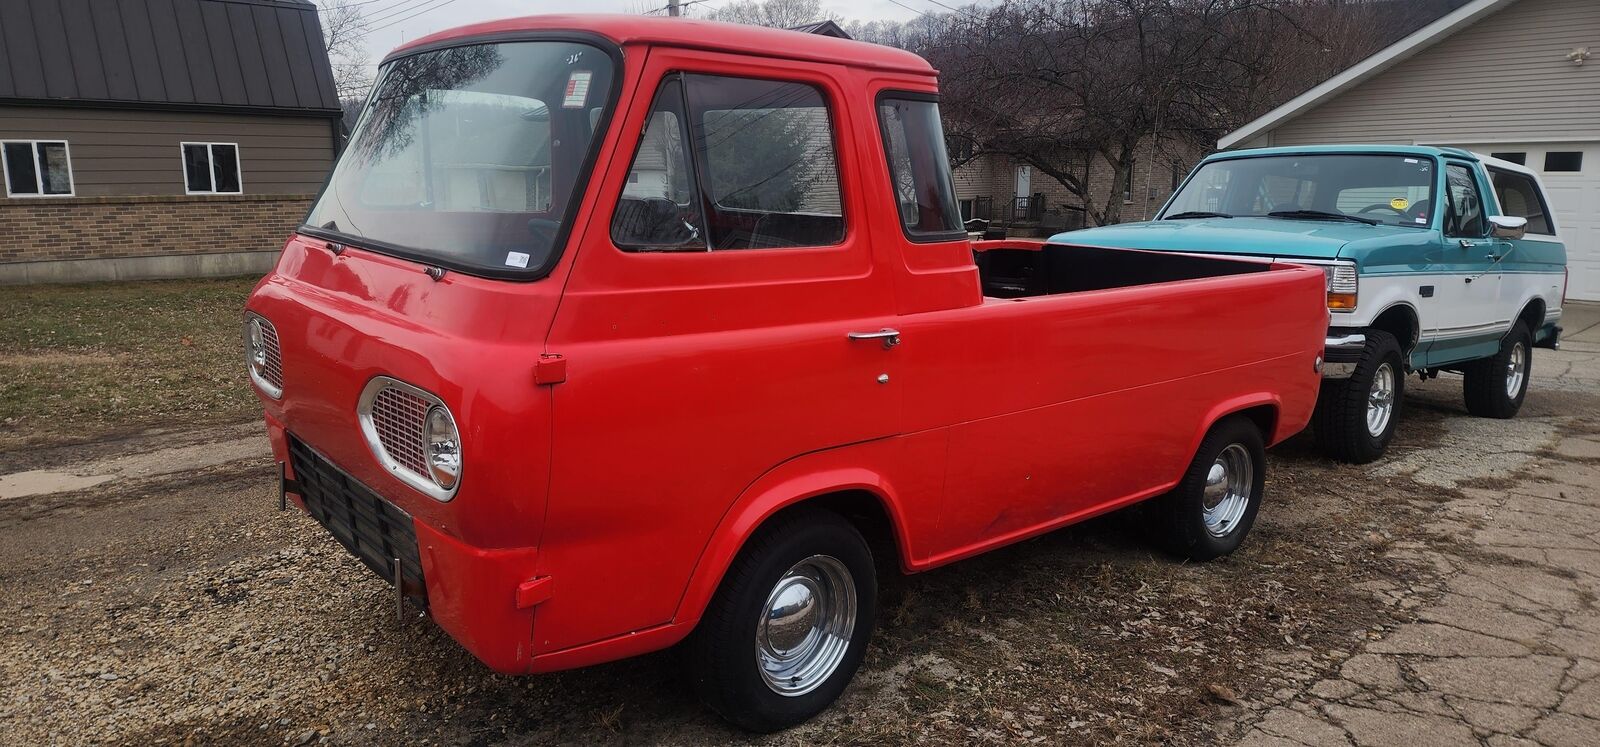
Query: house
1011, 193
1515, 79
158, 138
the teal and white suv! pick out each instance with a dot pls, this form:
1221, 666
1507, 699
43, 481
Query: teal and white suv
1438, 259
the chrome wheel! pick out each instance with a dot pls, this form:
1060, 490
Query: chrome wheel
806, 625
1516, 370
1227, 492
1380, 401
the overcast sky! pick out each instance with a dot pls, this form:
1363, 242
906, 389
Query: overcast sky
394, 22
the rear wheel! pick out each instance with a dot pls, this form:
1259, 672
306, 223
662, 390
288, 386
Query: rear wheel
1355, 417
787, 629
1495, 387
1212, 509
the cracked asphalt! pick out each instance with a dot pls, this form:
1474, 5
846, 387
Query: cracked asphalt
1505, 647
1445, 595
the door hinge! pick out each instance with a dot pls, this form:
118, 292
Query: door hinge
550, 369
533, 592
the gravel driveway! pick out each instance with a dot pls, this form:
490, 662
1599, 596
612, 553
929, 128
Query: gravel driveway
1446, 595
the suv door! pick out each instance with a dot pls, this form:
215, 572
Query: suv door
1464, 321
706, 325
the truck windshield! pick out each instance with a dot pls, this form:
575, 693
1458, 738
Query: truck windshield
468, 157
1394, 190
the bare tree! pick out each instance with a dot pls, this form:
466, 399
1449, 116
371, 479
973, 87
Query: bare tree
781, 14
344, 31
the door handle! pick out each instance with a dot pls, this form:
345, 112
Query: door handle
890, 337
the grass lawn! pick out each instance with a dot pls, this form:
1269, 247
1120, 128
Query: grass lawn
82, 361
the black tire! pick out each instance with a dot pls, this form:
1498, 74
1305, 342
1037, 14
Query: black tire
1180, 516
1340, 420
722, 652
1488, 383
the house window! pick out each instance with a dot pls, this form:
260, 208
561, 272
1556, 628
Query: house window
1563, 160
1127, 189
37, 168
211, 168
966, 210
1519, 158
1178, 172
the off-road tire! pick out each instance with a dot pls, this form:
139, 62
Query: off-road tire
1178, 517
1485, 381
1340, 419
722, 653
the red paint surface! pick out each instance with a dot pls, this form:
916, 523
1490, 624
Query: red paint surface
702, 392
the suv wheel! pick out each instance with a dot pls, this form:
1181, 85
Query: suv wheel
1355, 418
787, 629
1495, 386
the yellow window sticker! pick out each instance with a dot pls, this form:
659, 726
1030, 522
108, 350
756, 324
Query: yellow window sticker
1399, 203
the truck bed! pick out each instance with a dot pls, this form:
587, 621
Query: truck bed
1022, 269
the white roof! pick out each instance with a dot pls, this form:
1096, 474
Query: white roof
1386, 58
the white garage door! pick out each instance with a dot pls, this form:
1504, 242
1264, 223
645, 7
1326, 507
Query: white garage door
1571, 175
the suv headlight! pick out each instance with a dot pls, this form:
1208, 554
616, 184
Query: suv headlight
263, 359
1344, 285
413, 435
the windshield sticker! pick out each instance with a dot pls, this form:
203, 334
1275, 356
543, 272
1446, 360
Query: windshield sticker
577, 89
1422, 220
517, 259
1399, 203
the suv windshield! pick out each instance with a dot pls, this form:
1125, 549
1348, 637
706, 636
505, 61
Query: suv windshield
1392, 190
468, 157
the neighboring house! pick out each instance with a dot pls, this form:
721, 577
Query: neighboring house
1027, 202
158, 138
1512, 78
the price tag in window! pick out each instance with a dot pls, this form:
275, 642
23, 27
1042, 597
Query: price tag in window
577, 89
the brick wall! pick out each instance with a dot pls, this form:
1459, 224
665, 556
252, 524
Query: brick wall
72, 228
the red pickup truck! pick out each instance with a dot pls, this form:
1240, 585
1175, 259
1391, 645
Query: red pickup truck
611, 332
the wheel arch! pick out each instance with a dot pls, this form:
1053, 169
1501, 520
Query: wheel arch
1264, 409
1401, 320
1532, 314
861, 495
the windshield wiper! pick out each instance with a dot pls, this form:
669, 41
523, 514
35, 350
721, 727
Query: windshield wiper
1195, 214
1316, 214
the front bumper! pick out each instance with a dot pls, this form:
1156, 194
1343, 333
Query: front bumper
1341, 354
483, 597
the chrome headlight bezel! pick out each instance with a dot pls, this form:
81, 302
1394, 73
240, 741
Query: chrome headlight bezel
442, 447
421, 481
257, 352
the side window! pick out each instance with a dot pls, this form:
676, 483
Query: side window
913, 140
36, 168
732, 163
211, 168
660, 206
1464, 208
1520, 197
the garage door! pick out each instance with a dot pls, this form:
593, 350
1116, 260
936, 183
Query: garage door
1571, 175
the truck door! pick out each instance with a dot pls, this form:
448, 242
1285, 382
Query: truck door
1466, 320
724, 316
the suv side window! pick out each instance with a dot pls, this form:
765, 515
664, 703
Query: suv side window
732, 163
1520, 197
924, 189
1463, 214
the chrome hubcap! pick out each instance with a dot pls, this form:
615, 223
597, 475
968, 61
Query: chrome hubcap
1380, 401
1516, 369
1227, 492
806, 625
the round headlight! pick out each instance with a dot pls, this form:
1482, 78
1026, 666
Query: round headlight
443, 448
258, 342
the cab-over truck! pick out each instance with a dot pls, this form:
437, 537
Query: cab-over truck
611, 333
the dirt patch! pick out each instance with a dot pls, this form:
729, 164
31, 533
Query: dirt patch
57, 359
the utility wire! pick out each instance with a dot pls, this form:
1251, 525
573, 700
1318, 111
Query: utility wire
407, 18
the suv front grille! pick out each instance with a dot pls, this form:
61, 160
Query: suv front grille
376, 531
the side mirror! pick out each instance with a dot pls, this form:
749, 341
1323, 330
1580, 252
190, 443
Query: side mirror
1507, 227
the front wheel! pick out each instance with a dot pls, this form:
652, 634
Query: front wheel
1213, 507
787, 629
1495, 387
1355, 417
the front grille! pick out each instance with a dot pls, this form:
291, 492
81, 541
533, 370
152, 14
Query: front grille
398, 417
374, 530
272, 370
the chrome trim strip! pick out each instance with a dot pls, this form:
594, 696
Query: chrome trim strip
1341, 369
369, 430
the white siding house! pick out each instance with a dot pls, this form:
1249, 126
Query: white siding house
1516, 78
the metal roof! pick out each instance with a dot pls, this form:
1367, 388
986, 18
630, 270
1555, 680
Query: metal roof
199, 54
